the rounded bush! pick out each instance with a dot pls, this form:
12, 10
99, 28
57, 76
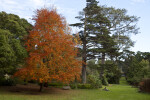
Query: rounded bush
84, 86
81, 86
94, 81
7, 82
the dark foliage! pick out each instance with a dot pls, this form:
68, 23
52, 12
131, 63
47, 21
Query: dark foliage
144, 85
81, 86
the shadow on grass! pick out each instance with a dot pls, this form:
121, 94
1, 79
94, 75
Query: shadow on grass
31, 89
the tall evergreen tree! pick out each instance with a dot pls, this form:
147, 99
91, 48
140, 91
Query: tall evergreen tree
105, 31
122, 26
95, 35
83, 17
99, 39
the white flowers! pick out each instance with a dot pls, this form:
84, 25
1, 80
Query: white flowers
7, 76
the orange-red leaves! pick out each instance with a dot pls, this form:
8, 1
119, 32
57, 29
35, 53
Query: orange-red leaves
52, 52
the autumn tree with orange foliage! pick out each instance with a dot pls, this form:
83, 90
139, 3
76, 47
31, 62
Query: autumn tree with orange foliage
52, 50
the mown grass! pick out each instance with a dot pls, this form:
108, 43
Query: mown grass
123, 81
117, 92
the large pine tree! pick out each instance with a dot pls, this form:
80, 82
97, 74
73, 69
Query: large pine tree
105, 32
95, 36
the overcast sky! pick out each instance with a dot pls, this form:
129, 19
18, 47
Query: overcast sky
70, 8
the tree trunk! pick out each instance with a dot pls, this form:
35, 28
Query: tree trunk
41, 87
116, 60
84, 63
102, 67
84, 53
103, 58
83, 73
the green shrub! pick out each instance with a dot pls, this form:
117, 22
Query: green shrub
94, 81
73, 86
133, 80
55, 84
81, 86
104, 81
32, 81
136, 71
113, 78
84, 86
22, 82
113, 74
7, 82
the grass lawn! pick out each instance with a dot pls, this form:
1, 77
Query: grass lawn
117, 92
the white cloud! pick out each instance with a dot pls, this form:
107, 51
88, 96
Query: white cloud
25, 8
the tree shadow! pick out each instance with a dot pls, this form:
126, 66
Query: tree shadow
32, 89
